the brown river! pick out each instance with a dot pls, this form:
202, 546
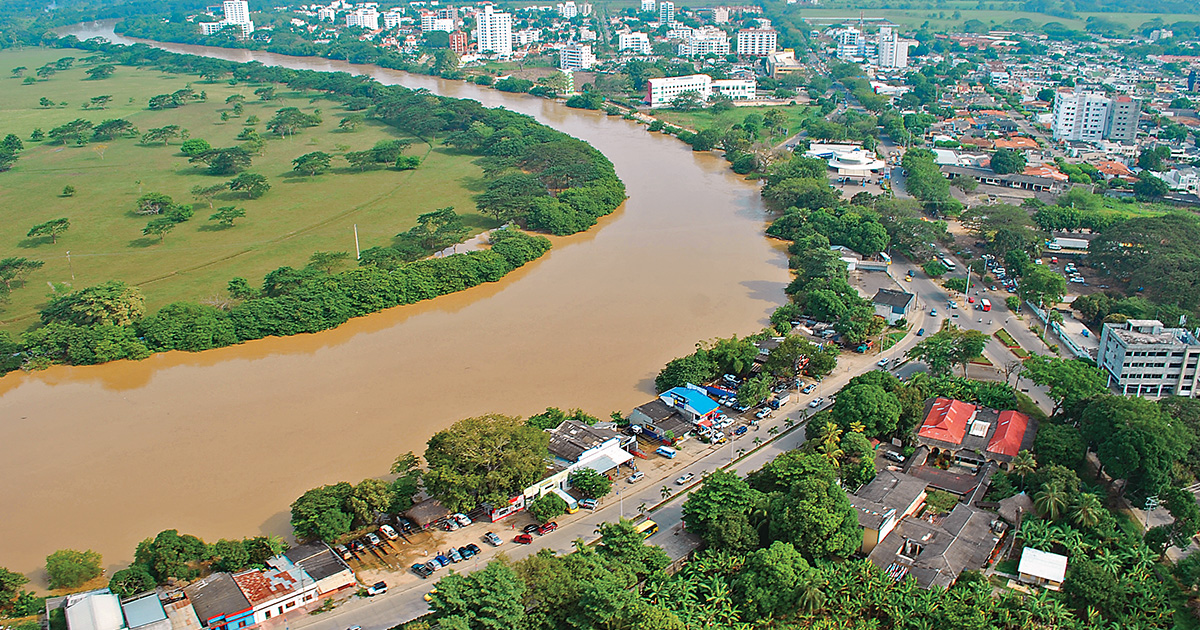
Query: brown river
218, 444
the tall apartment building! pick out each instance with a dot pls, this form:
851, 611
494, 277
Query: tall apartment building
493, 32
666, 12
648, 5
527, 36
460, 42
391, 19
636, 43
1093, 116
756, 42
576, 57
893, 51
1142, 358
430, 21
850, 44
366, 17
568, 9
708, 40
237, 12
326, 13
720, 15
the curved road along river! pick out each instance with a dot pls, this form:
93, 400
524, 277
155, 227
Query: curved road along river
218, 444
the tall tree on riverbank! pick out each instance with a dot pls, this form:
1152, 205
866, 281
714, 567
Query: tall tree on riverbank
486, 459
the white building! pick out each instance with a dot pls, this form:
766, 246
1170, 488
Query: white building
430, 22
1093, 116
1142, 358
576, 57
527, 36
568, 9
326, 13
1183, 178
708, 40
736, 89
850, 44
893, 51
494, 32
391, 19
366, 17
679, 31
637, 43
720, 15
648, 5
1042, 568
585, 9
660, 92
237, 12
666, 12
756, 42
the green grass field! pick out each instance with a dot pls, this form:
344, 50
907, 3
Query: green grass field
703, 118
298, 216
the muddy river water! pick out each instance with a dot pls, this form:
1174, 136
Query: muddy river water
218, 444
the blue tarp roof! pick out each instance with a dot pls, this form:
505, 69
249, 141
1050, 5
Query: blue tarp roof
699, 403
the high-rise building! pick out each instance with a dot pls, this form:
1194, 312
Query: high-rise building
431, 21
237, 12
1143, 358
708, 40
391, 19
666, 12
1093, 116
756, 42
326, 14
720, 15
459, 42
366, 17
493, 32
576, 57
636, 43
568, 9
851, 44
893, 51
648, 5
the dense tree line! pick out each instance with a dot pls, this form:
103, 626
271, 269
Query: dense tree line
736, 356
1158, 256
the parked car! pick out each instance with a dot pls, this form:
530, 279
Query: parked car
492, 539
475, 550
465, 552
422, 571
388, 532
454, 556
894, 456
378, 588
816, 402
449, 525
357, 546
921, 332
433, 566
883, 362
763, 413
547, 528
373, 539
441, 557
636, 477
523, 539
588, 504
462, 519
343, 552
808, 389
741, 431
530, 528
684, 478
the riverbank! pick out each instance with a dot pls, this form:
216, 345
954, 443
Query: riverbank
219, 443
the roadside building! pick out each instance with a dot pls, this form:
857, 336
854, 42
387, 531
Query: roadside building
666, 12
1141, 357
1094, 116
705, 41
736, 89
970, 435
219, 603
660, 421
1042, 568
636, 43
94, 610
893, 50
427, 512
936, 553
316, 560
145, 612
892, 305
783, 63
366, 17
273, 592
884, 502
692, 404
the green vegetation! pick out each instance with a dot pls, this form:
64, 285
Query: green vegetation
69, 568
547, 507
486, 459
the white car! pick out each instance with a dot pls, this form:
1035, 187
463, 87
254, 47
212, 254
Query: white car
463, 519
636, 477
373, 539
883, 362
816, 402
388, 532
685, 478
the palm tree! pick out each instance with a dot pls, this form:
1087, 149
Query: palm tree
1023, 464
1036, 534
757, 441
665, 492
809, 595
789, 421
772, 430
1088, 510
1108, 561
857, 427
642, 508
1051, 501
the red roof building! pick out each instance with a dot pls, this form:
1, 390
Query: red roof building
1010, 432
947, 420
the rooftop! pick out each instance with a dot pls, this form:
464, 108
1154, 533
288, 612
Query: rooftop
316, 559
893, 298
1043, 564
889, 494
947, 420
694, 400
94, 610
216, 596
1010, 432
935, 551
1150, 332
144, 610
572, 438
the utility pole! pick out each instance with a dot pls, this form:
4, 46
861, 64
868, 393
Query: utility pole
72, 266
357, 253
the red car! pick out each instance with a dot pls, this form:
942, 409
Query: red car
524, 539
547, 528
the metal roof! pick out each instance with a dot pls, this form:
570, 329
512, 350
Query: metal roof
94, 610
1043, 564
144, 610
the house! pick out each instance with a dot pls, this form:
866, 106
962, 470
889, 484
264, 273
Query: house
1183, 178
933, 550
1012, 180
94, 610
892, 305
971, 436
660, 421
573, 441
319, 562
273, 592
145, 612
427, 513
1042, 568
882, 503
693, 405
219, 603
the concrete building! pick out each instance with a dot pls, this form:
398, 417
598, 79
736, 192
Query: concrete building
1183, 178
94, 610
567, 9
706, 41
145, 612
326, 14
893, 51
1143, 358
1092, 116
527, 36
1042, 568
236, 11
576, 57
935, 551
892, 305
783, 63
636, 43
756, 42
328, 571
273, 592
366, 17
662, 90
660, 421
460, 42
219, 603
692, 404
648, 5
972, 436
882, 503
736, 89
493, 32
430, 22
391, 19
850, 44
666, 12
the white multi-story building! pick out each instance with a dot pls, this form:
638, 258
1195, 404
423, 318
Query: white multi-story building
893, 51
666, 12
756, 42
576, 57
1142, 358
448, 13
648, 5
430, 21
586, 34
366, 17
568, 9
708, 40
237, 12
679, 31
636, 43
326, 13
527, 36
736, 89
850, 44
585, 9
720, 15
660, 92
391, 19
1093, 116
493, 32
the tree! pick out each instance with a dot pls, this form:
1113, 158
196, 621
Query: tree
369, 498
159, 227
815, 516
207, 193
100, 102
351, 122
1089, 586
313, 163
869, 406
1059, 444
590, 483
1186, 514
490, 599
407, 483
687, 101
1006, 161
1088, 510
1042, 286
785, 359
77, 131
1023, 465
321, 512
154, 203
100, 72
162, 134
328, 261
547, 506
265, 93
755, 390
694, 368
1152, 159
252, 184
486, 459
14, 269
1134, 440
1150, 187
10, 587
109, 303
224, 161
768, 581
195, 147
1051, 501
290, 120
69, 568
1069, 380
230, 555
226, 215
718, 511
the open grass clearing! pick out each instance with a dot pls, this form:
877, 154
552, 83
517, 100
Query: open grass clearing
298, 216
702, 119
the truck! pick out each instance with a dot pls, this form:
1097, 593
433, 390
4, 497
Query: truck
985, 305
780, 400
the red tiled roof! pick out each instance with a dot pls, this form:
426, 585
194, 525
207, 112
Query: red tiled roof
1109, 167
947, 420
1049, 172
1010, 431
259, 589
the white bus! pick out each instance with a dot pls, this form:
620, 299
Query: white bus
949, 264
